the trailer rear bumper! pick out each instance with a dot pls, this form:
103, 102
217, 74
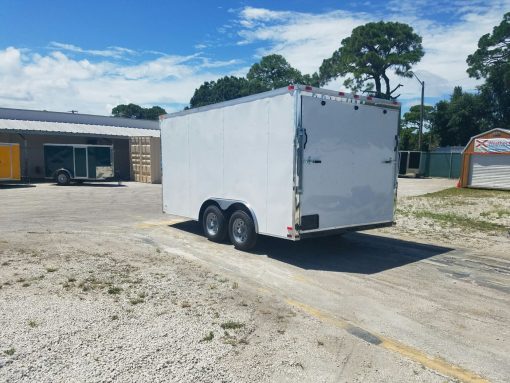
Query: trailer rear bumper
341, 230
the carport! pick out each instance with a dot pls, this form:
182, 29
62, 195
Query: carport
486, 160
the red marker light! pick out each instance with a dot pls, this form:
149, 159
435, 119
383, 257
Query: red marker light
308, 87
341, 93
356, 96
290, 87
289, 228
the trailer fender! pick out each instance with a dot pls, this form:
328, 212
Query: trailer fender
229, 206
62, 170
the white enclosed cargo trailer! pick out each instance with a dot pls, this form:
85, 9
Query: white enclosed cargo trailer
292, 163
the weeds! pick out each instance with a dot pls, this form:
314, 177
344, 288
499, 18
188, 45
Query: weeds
32, 323
10, 351
457, 220
208, 337
235, 285
136, 301
185, 304
114, 290
114, 317
51, 269
231, 325
468, 193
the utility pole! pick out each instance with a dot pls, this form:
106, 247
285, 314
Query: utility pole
420, 133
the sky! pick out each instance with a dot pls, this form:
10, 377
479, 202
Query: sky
91, 55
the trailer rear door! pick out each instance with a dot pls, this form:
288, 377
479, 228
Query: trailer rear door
349, 164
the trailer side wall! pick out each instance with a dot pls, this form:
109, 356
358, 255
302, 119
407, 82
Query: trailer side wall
239, 152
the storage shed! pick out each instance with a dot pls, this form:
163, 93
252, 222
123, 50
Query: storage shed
486, 161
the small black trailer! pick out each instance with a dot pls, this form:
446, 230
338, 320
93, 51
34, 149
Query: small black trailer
66, 163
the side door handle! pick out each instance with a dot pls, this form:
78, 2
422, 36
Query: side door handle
309, 160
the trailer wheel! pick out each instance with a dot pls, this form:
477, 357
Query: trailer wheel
241, 230
214, 224
63, 178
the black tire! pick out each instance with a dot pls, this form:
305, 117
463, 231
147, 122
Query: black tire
214, 224
241, 230
63, 178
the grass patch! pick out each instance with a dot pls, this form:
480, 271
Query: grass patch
469, 193
208, 337
114, 317
136, 301
114, 290
459, 221
10, 351
499, 213
185, 304
235, 285
51, 269
26, 284
32, 323
231, 325
71, 279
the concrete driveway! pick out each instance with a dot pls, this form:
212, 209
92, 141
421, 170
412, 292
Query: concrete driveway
408, 187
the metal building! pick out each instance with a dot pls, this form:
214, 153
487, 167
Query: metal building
33, 130
486, 160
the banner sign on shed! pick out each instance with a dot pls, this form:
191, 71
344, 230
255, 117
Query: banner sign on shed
492, 145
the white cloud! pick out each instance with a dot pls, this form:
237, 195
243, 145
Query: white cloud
114, 52
58, 82
305, 39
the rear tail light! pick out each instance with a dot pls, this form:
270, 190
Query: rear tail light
308, 87
341, 93
290, 87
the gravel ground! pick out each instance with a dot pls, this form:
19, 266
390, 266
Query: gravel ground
82, 308
97, 285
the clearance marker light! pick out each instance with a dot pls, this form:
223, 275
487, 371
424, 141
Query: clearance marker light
308, 87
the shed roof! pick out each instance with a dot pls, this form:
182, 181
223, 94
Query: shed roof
41, 127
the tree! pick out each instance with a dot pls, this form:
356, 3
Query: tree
410, 125
491, 62
273, 72
455, 121
370, 52
136, 111
153, 113
224, 89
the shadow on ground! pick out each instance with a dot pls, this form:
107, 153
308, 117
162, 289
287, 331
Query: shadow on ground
359, 253
16, 186
97, 184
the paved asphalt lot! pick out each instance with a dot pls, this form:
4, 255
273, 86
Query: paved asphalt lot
416, 311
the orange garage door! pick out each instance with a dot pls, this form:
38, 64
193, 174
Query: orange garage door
9, 162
